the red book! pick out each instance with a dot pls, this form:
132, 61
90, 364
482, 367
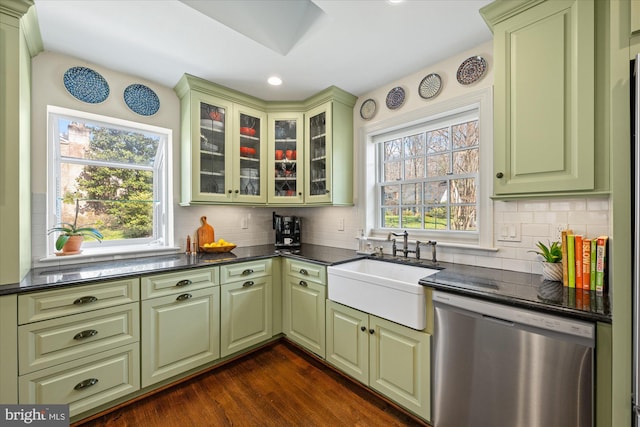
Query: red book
586, 263
578, 260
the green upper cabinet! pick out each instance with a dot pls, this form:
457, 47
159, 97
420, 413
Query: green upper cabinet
239, 149
286, 158
329, 149
544, 114
223, 147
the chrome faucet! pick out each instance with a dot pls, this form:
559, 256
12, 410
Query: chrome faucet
433, 249
405, 237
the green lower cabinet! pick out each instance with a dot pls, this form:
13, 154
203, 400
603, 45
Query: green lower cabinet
245, 314
303, 313
392, 359
179, 332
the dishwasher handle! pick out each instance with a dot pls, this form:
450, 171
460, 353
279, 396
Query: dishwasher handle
499, 321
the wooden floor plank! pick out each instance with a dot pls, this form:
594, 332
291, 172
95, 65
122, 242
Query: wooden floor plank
277, 386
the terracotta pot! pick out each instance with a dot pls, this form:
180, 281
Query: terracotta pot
552, 271
73, 244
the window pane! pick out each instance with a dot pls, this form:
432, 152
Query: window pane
438, 165
435, 218
438, 140
411, 217
412, 194
390, 218
465, 134
436, 192
414, 145
414, 168
463, 218
465, 161
392, 171
463, 190
390, 195
392, 150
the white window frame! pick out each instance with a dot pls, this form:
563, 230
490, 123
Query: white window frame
480, 100
162, 189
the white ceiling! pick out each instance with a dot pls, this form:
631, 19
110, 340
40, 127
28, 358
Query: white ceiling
357, 45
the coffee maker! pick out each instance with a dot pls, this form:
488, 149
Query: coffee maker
288, 233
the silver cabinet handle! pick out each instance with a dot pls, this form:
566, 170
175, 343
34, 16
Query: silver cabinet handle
183, 297
86, 383
85, 334
184, 282
247, 284
85, 300
304, 272
247, 272
303, 283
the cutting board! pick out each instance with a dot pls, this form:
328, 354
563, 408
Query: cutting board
205, 232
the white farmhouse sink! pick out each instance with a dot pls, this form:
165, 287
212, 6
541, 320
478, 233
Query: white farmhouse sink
384, 289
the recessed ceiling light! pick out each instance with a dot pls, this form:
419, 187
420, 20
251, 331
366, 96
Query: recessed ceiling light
274, 80
395, 1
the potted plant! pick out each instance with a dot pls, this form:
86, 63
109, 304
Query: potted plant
72, 236
552, 264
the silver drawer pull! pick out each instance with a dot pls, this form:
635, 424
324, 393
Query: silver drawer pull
303, 271
247, 272
183, 297
85, 300
86, 383
184, 282
85, 334
247, 284
303, 283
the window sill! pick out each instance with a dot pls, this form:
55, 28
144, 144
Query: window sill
96, 254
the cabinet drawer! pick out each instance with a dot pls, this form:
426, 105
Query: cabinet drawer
77, 299
54, 341
85, 383
245, 271
180, 282
306, 271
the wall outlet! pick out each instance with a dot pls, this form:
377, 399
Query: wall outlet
340, 224
244, 222
509, 232
557, 231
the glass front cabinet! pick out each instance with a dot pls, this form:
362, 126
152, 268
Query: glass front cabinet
286, 158
239, 149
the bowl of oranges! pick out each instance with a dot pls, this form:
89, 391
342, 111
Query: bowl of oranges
218, 247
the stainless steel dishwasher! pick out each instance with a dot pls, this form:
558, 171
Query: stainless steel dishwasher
499, 366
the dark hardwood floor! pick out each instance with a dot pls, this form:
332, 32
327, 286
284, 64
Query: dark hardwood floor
278, 385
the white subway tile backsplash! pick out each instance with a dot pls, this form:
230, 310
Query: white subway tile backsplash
568, 205
533, 206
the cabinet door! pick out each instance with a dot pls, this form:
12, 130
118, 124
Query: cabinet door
250, 156
400, 361
206, 155
179, 332
348, 340
286, 158
245, 314
304, 314
318, 151
544, 109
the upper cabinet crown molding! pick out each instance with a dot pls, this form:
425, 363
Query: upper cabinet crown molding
498, 11
15, 8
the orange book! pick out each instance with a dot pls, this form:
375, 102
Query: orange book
578, 260
586, 263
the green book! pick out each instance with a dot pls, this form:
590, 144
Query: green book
571, 260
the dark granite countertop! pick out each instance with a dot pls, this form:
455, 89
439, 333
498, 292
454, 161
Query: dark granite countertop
523, 290
52, 277
508, 287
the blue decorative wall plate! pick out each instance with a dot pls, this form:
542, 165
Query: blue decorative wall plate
86, 85
395, 98
141, 100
